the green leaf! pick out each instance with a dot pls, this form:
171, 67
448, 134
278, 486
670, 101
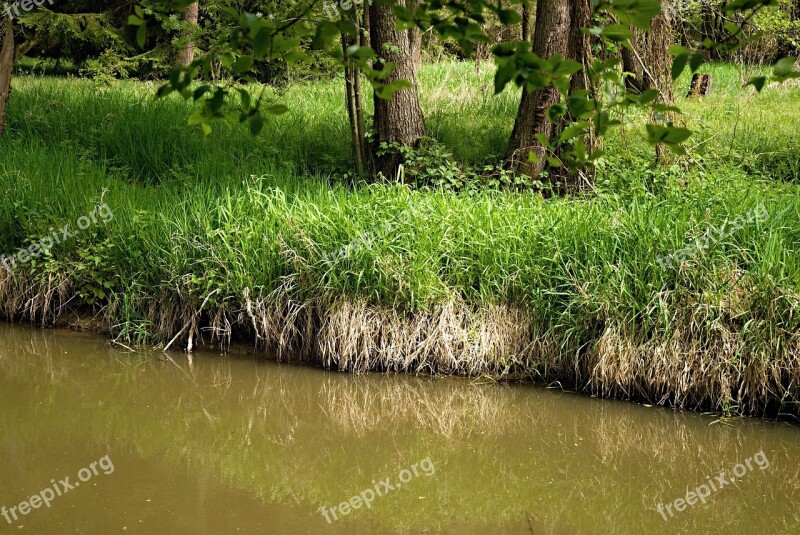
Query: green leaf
677, 135
617, 32
243, 64
227, 60
648, 96
573, 131
256, 124
509, 17
758, 82
555, 111
141, 35
504, 74
164, 90
679, 64
553, 161
698, 58
244, 94
387, 91
261, 42
565, 67
277, 109
784, 70
668, 135
202, 90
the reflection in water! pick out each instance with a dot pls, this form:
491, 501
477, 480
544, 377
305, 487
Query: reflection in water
220, 443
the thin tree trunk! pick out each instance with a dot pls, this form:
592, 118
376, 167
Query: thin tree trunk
527, 21
363, 40
581, 51
551, 36
400, 119
6, 70
415, 40
353, 97
23, 49
185, 55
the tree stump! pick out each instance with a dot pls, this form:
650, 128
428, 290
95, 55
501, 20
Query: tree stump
701, 85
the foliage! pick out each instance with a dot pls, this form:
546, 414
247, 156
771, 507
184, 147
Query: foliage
261, 38
431, 165
238, 218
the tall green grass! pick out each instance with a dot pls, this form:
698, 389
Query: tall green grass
201, 221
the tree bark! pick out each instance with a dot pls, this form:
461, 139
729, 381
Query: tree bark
711, 25
648, 58
415, 40
632, 63
400, 119
363, 40
658, 66
527, 21
185, 55
6, 69
353, 96
551, 36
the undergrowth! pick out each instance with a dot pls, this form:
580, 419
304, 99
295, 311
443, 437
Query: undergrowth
226, 236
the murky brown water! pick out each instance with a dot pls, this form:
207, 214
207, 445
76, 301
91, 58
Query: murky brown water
235, 444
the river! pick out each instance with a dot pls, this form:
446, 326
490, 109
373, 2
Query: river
159, 443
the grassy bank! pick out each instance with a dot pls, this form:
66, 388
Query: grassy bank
226, 236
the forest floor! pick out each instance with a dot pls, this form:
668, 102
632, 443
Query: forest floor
177, 236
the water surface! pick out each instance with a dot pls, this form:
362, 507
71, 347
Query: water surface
227, 444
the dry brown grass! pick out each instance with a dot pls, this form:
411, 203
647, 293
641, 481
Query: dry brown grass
699, 365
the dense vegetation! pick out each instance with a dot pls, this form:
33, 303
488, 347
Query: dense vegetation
226, 236
514, 188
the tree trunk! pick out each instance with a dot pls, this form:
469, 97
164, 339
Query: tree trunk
632, 63
711, 25
185, 55
363, 40
415, 40
6, 69
648, 58
527, 21
400, 119
353, 96
658, 66
551, 36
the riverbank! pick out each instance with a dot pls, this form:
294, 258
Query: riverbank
237, 238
